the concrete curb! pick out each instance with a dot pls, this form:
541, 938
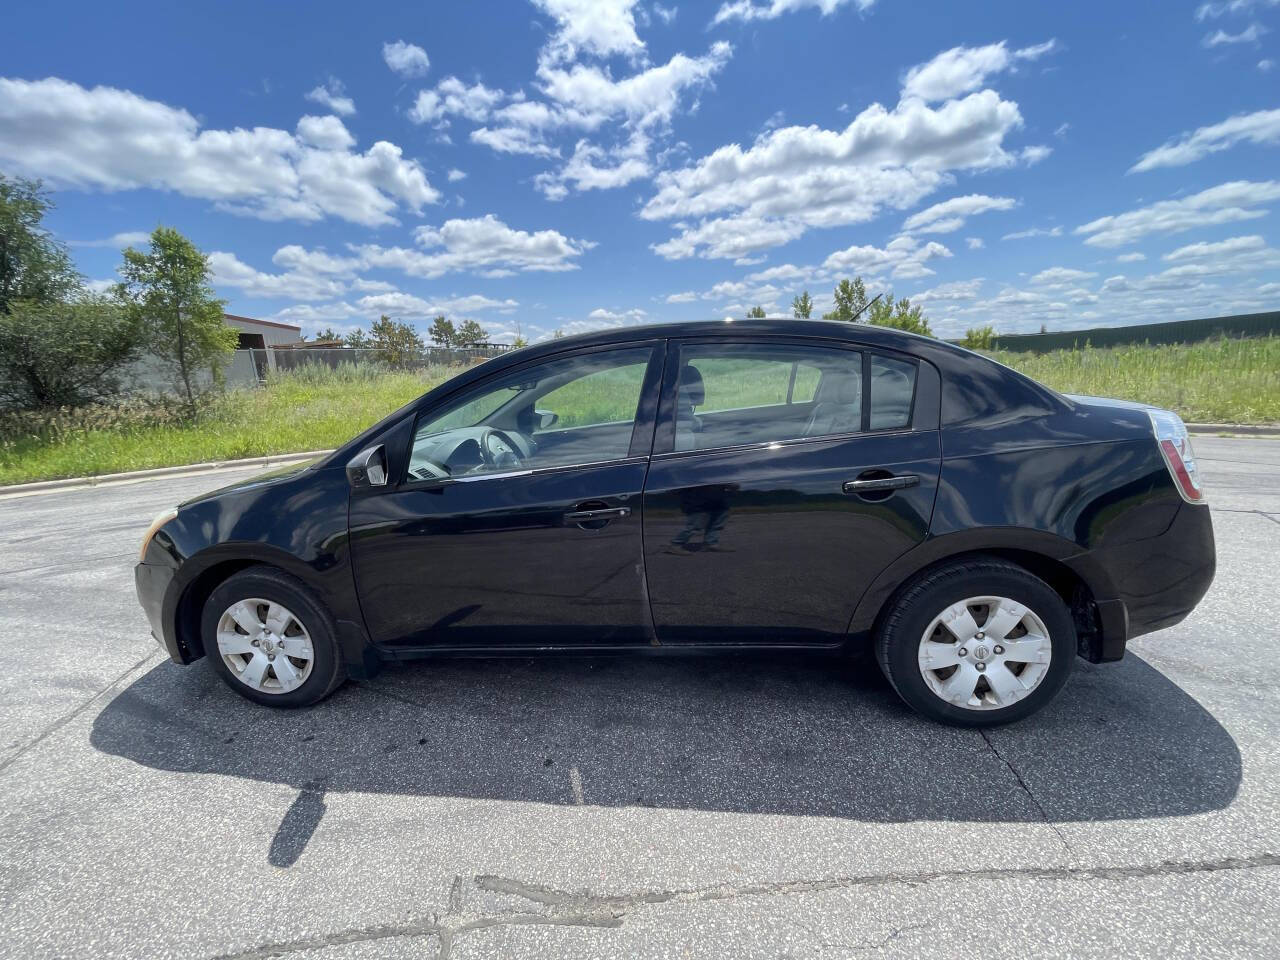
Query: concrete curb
1237, 429
71, 483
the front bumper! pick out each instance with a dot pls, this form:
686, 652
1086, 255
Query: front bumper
152, 582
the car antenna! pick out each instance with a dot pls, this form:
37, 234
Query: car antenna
865, 308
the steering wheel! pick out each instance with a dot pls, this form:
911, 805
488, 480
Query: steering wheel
499, 450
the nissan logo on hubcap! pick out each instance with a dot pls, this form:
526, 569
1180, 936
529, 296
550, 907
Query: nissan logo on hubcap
981, 652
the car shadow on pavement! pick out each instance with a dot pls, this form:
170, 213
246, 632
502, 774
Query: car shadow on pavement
752, 734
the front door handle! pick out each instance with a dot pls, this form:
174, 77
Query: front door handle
881, 483
606, 513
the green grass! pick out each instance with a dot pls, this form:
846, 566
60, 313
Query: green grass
302, 410
1232, 381
1218, 381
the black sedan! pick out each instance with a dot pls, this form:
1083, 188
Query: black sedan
795, 485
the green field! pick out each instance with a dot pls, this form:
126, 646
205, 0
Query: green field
1232, 381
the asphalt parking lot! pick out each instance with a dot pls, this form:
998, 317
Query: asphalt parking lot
736, 807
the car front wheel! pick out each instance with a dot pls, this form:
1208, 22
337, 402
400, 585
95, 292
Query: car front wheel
271, 640
977, 643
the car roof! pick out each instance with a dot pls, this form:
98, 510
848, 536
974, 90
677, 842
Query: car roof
778, 327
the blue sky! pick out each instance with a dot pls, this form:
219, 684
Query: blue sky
568, 164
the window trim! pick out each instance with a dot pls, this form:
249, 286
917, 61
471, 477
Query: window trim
641, 432
664, 433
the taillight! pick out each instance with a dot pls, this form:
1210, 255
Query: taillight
1175, 445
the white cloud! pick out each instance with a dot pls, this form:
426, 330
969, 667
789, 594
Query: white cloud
408, 306
904, 256
964, 69
514, 140
455, 175
635, 315
1131, 257
974, 243
484, 242
952, 292
688, 296
601, 28
1231, 247
950, 215
1250, 34
800, 177
229, 271
594, 168
330, 94
1226, 203
772, 9
1061, 277
1033, 232
590, 95
109, 139
1212, 11
452, 97
327, 133
118, 241
406, 59
1261, 127
1266, 65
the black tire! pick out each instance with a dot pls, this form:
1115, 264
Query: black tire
915, 606
328, 670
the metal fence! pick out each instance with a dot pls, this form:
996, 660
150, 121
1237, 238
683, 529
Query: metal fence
1177, 331
255, 366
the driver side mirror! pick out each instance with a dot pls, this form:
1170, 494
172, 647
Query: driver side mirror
368, 468
546, 419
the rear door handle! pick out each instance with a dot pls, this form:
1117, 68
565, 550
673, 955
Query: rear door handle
881, 483
607, 513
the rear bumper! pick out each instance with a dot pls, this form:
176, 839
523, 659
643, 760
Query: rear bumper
1157, 582
153, 583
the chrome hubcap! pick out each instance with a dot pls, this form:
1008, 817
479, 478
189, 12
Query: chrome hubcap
265, 646
985, 653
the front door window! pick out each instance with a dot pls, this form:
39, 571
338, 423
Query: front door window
572, 411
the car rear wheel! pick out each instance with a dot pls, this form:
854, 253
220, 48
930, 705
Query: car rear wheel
977, 643
271, 640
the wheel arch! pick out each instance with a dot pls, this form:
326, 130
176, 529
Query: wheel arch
201, 574
1059, 563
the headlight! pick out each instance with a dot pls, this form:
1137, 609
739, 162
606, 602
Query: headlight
156, 524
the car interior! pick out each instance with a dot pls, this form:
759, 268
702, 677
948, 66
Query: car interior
510, 428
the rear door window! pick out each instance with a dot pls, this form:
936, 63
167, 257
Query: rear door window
730, 394
893, 388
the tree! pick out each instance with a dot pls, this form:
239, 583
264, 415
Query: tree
33, 265
851, 299
471, 334
557, 334
756, 313
519, 342
167, 295
979, 338
328, 335
357, 339
802, 306
901, 315
65, 353
399, 342
442, 331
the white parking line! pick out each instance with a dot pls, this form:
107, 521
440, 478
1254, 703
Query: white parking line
575, 782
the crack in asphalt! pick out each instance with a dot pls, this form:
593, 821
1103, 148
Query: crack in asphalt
607, 911
1025, 789
71, 715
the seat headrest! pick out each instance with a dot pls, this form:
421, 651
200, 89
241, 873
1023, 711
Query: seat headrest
690, 386
840, 387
